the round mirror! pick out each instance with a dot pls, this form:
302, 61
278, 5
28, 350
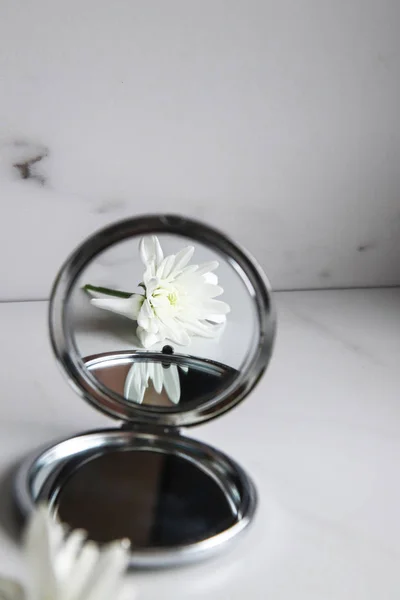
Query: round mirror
162, 320
175, 499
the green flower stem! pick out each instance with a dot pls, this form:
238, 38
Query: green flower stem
106, 291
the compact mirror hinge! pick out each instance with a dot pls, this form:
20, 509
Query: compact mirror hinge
146, 428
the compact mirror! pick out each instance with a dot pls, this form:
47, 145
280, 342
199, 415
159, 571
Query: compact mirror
160, 322
165, 294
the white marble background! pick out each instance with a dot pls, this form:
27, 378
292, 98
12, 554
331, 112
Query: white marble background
276, 120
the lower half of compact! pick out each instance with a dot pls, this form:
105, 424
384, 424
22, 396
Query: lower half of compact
175, 499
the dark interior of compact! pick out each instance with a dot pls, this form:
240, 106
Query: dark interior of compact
155, 499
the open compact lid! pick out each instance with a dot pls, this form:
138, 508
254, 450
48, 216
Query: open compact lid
162, 320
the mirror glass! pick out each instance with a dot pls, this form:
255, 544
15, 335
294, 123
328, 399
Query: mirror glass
163, 381
166, 295
155, 499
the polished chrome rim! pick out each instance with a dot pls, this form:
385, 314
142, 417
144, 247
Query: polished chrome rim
36, 478
110, 402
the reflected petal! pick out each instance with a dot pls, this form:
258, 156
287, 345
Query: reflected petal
172, 384
158, 377
134, 387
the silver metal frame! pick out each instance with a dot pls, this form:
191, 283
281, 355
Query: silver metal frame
41, 477
111, 403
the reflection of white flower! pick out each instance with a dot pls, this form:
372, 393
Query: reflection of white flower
167, 378
178, 299
66, 566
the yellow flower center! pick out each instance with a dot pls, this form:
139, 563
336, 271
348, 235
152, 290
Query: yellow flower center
173, 298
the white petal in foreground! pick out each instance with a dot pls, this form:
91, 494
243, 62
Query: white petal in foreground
43, 538
104, 580
72, 547
67, 567
11, 590
85, 563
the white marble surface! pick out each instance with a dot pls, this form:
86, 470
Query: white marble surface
320, 435
274, 120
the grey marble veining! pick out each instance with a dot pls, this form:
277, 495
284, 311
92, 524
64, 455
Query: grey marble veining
277, 122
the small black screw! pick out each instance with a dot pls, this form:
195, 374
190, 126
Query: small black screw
167, 350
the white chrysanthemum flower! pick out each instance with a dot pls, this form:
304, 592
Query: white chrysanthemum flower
65, 566
142, 372
178, 300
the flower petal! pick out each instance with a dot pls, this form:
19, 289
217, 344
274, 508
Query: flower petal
207, 267
160, 301
181, 260
151, 285
134, 386
127, 307
150, 250
217, 319
83, 568
188, 269
158, 377
210, 278
40, 553
172, 384
175, 332
65, 562
210, 290
145, 315
201, 328
216, 307
11, 590
165, 267
105, 578
148, 339
148, 274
